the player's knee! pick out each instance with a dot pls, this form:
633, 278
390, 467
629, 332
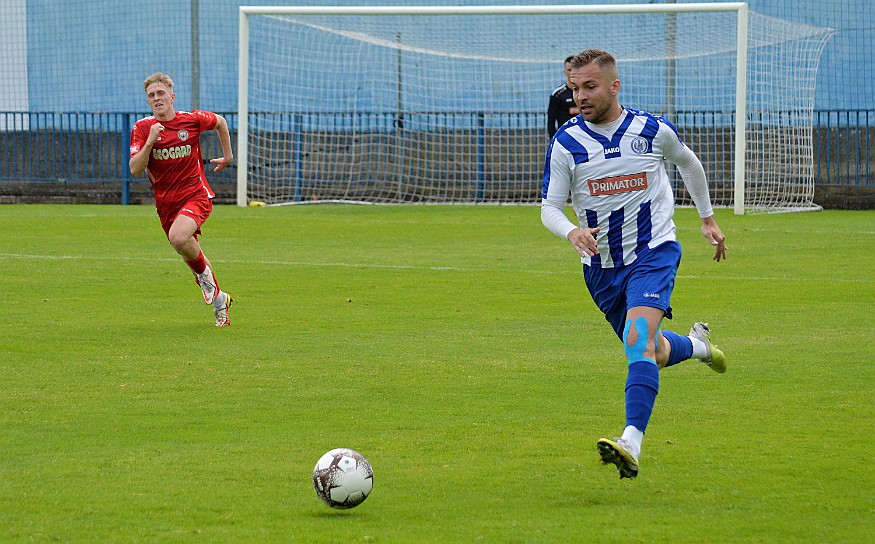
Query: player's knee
639, 349
176, 240
181, 243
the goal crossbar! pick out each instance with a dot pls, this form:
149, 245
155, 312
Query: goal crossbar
491, 10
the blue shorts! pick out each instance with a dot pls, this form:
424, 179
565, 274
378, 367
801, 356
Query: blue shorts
648, 281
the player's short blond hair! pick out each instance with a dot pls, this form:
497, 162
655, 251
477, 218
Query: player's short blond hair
605, 60
158, 77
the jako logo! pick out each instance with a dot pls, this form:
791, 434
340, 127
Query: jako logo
651, 295
619, 184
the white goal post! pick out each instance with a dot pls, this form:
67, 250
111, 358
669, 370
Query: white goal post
447, 104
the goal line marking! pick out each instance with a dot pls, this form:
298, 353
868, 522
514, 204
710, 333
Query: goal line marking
405, 267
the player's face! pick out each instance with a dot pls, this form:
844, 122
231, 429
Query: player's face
160, 99
595, 93
567, 72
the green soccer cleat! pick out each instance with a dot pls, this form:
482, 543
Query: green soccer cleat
715, 359
618, 454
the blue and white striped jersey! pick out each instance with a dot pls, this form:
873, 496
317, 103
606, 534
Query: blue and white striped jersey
616, 175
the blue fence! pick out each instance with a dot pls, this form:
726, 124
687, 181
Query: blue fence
79, 147
843, 148
93, 147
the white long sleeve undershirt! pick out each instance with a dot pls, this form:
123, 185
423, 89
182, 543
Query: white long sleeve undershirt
554, 218
693, 174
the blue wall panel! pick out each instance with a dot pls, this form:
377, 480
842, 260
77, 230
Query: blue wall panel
92, 55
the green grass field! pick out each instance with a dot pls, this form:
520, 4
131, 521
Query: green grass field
456, 348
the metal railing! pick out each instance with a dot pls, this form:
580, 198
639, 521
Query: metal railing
93, 147
844, 148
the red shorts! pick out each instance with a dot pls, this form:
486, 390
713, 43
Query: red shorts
197, 207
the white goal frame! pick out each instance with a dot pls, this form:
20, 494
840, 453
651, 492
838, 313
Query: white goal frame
740, 8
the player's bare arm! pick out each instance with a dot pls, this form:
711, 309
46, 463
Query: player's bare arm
583, 241
225, 141
715, 237
140, 160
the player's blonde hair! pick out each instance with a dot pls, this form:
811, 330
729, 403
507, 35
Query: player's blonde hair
158, 77
605, 60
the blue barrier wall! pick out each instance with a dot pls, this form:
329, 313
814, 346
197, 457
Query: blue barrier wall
74, 71
92, 55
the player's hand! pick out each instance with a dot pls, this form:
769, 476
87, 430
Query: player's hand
583, 241
154, 133
221, 163
715, 237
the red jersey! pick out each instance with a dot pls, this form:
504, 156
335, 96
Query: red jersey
175, 168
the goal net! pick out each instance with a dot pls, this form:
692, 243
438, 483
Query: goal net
448, 104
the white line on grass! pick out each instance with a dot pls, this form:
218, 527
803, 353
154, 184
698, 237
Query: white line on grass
573, 270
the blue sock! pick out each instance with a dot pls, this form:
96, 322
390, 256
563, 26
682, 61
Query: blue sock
642, 386
681, 347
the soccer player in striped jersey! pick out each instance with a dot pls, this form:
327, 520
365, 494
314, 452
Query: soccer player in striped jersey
166, 147
612, 161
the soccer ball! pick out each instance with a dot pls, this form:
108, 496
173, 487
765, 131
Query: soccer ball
343, 478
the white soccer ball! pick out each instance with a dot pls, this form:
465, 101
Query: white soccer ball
343, 478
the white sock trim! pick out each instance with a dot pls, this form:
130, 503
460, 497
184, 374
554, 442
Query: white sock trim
633, 437
700, 349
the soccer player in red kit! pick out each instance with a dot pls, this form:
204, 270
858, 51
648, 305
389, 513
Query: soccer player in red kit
165, 147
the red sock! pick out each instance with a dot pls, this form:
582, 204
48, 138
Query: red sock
198, 265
